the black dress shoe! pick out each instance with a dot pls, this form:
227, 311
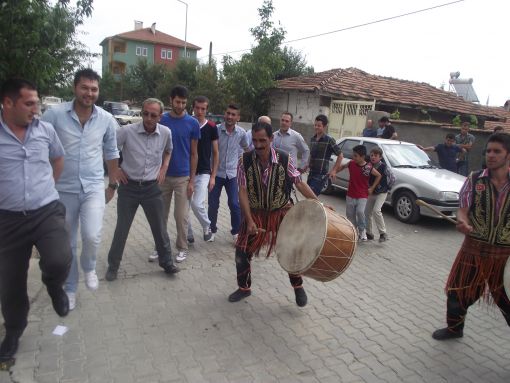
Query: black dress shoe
171, 269
60, 300
8, 348
111, 274
239, 294
301, 298
446, 333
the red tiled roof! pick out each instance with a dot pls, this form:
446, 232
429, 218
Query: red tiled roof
505, 122
159, 37
357, 84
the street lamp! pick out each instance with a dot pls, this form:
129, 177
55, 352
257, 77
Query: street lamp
185, 29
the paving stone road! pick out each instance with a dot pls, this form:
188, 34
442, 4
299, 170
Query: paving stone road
372, 324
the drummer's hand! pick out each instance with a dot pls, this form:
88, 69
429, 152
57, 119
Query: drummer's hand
252, 229
463, 226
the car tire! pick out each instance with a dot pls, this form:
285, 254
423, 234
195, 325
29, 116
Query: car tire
328, 187
405, 208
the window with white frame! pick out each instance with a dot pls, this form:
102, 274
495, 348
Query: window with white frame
169, 54
138, 51
163, 54
144, 52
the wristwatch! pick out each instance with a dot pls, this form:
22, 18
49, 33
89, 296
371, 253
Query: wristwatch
113, 186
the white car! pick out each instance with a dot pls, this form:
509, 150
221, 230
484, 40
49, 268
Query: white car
129, 117
48, 102
416, 177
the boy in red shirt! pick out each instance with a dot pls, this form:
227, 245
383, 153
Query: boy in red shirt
358, 190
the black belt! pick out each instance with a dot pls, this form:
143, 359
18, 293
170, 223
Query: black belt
141, 183
27, 212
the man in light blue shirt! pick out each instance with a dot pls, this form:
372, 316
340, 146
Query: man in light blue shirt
86, 132
231, 138
31, 158
291, 142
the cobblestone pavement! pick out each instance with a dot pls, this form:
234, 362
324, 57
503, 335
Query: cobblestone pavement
372, 324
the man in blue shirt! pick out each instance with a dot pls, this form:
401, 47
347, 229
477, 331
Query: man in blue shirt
86, 132
446, 153
31, 159
231, 141
183, 166
369, 131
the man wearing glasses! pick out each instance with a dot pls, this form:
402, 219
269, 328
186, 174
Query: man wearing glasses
146, 148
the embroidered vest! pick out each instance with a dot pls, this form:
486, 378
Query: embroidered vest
481, 214
276, 194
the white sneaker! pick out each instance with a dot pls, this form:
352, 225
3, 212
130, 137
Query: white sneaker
154, 256
181, 256
91, 280
234, 238
72, 300
363, 235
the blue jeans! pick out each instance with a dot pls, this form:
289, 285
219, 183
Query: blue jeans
316, 182
84, 210
231, 187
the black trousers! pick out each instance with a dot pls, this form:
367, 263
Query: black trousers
45, 229
243, 266
130, 196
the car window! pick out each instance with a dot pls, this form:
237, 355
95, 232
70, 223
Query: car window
346, 147
406, 156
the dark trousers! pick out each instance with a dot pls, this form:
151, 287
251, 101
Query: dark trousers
130, 196
316, 182
45, 229
456, 311
232, 189
243, 266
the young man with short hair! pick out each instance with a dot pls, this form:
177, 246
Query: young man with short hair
183, 166
206, 172
291, 142
446, 152
87, 133
376, 199
465, 140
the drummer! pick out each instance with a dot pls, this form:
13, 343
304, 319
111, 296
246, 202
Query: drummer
484, 217
265, 176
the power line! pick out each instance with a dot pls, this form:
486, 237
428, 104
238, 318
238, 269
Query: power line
353, 27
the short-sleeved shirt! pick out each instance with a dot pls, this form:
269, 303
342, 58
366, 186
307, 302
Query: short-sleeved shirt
85, 146
464, 140
358, 179
142, 153
447, 156
320, 153
208, 134
26, 174
184, 130
382, 186
231, 146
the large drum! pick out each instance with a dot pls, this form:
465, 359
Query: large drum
315, 241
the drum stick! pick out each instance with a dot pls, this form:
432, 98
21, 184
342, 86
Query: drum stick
419, 202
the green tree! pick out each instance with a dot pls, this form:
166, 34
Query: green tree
143, 80
38, 40
249, 78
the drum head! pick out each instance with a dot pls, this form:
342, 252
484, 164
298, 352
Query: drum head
506, 277
301, 236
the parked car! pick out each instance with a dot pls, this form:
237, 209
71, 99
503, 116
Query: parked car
115, 108
129, 117
416, 177
216, 118
48, 102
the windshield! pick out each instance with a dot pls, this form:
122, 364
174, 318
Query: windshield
407, 156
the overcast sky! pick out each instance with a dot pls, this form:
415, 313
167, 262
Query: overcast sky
469, 36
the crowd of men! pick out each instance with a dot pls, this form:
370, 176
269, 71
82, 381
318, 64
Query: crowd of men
52, 187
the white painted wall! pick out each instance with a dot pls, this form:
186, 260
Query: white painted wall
304, 106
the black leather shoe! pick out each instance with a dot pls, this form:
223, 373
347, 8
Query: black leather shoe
239, 294
60, 300
110, 275
171, 269
446, 333
370, 237
8, 348
301, 298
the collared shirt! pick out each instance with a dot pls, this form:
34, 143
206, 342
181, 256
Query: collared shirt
230, 146
26, 174
84, 146
292, 142
142, 153
292, 172
464, 140
320, 153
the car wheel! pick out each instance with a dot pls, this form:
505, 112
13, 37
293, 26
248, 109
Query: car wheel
405, 207
328, 187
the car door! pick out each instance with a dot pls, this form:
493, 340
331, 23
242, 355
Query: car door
342, 178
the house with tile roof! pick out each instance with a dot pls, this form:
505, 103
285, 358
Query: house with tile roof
124, 50
339, 92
